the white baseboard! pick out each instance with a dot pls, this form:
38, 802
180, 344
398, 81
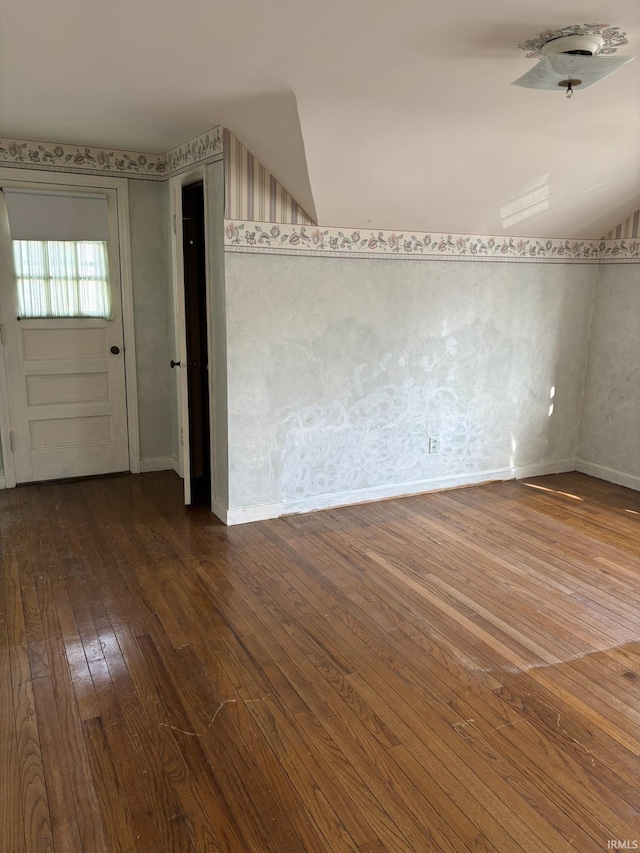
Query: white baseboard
542, 468
611, 475
220, 512
160, 463
262, 512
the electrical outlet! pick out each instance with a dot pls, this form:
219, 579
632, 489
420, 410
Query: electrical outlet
434, 444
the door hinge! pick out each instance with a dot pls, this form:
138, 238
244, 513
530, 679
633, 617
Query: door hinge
12, 443
1, 334
175, 227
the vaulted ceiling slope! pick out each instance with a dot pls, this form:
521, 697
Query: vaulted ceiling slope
370, 114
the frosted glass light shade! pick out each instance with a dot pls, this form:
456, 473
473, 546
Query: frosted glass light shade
554, 68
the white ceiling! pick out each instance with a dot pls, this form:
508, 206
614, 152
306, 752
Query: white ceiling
389, 115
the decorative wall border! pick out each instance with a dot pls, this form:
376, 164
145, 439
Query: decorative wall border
84, 160
619, 251
314, 241
208, 147
23, 154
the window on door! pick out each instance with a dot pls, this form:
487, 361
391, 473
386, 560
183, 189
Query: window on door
60, 252
62, 278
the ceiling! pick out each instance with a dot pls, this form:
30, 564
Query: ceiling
388, 115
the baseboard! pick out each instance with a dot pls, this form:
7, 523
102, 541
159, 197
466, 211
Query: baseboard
611, 475
542, 468
160, 463
220, 512
263, 512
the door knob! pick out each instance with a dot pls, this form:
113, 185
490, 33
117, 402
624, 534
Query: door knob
186, 364
115, 350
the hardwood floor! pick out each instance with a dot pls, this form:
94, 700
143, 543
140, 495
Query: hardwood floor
456, 671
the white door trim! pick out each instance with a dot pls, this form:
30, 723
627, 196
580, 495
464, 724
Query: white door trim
128, 329
176, 184
9, 476
16, 177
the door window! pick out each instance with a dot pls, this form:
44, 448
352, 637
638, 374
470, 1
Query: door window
62, 278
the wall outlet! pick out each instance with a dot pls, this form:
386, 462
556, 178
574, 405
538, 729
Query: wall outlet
434, 444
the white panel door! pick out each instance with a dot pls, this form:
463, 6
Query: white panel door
67, 403
181, 337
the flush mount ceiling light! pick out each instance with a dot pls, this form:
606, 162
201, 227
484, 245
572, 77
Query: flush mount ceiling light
573, 58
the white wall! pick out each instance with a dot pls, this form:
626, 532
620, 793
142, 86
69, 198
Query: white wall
339, 369
150, 223
610, 428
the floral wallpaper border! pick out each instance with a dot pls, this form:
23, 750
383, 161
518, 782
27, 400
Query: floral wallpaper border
206, 147
81, 159
272, 238
25, 154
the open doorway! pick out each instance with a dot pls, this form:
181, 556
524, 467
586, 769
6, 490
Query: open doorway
197, 368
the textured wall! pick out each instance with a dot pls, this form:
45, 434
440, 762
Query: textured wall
610, 430
339, 370
149, 215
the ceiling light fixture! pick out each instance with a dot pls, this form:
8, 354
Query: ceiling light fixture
572, 61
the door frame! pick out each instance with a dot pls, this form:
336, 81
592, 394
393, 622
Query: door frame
191, 176
8, 478
16, 177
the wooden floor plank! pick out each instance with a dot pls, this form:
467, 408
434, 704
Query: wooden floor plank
64, 820
12, 817
35, 804
119, 830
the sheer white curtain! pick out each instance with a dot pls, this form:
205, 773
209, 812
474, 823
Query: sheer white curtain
62, 279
